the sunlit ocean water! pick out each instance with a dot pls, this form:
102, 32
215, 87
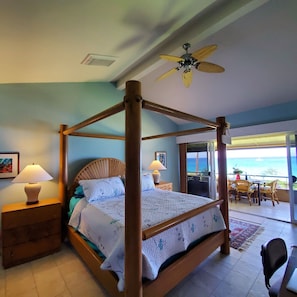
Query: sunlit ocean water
251, 166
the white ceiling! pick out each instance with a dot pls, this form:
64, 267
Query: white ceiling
46, 41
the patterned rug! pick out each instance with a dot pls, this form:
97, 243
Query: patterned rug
243, 233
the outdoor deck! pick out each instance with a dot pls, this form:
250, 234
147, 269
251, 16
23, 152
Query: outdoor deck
280, 212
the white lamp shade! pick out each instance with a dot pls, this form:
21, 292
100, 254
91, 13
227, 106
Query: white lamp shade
31, 175
157, 165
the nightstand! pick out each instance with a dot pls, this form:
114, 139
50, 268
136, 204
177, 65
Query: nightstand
30, 231
164, 185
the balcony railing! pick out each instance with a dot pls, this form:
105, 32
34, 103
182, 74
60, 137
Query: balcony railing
283, 181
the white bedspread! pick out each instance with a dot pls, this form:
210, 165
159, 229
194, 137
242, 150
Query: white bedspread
102, 222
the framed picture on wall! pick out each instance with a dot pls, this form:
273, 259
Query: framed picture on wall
9, 164
162, 157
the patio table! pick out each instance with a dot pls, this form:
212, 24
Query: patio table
258, 183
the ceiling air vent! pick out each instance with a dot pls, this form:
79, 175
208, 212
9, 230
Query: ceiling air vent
98, 60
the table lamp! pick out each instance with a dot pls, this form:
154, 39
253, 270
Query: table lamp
156, 165
32, 174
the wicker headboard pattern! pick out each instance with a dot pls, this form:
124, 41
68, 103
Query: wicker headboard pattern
99, 168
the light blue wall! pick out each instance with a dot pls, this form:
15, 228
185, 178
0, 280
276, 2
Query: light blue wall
275, 113
30, 117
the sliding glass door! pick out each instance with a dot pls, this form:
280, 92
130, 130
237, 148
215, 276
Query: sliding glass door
292, 170
200, 169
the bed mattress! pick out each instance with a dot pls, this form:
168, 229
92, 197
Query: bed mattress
102, 222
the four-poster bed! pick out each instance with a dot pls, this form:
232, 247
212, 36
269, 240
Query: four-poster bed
170, 276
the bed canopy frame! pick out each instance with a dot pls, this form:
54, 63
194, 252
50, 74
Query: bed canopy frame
134, 287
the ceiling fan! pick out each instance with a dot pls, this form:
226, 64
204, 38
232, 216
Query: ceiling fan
192, 60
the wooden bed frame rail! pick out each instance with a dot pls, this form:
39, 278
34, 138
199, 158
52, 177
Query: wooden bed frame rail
158, 287
173, 274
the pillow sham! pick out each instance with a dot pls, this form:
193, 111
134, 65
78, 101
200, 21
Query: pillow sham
79, 192
72, 203
147, 182
98, 189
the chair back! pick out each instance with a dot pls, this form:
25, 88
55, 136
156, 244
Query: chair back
243, 185
274, 255
273, 186
270, 187
230, 184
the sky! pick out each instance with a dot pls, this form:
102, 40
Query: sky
257, 153
254, 153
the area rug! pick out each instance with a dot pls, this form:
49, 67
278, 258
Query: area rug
242, 233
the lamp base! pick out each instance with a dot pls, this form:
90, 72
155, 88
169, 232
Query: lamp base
32, 191
32, 202
156, 175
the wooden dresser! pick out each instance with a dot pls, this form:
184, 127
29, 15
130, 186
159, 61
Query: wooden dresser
164, 185
30, 231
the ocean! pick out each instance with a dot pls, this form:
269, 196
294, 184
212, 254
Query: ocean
276, 166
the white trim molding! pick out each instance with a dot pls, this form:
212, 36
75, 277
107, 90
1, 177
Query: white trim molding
277, 127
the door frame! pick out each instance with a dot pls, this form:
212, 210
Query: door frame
291, 140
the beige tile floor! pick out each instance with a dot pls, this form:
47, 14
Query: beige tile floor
280, 211
238, 274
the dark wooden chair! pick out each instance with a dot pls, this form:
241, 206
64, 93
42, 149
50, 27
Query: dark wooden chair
274, 255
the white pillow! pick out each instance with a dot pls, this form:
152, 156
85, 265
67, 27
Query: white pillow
147, 182
98, 189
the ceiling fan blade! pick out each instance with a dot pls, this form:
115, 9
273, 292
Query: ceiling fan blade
210, 67
204, 52
171, 58
166, 74
187, 78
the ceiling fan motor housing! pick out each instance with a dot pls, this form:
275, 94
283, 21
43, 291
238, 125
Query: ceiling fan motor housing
187, 62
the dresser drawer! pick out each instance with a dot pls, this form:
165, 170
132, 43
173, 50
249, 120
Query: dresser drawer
30, 216
30, 231
26, 233
21, 253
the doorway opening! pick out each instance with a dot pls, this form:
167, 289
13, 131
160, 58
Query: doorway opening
262, 158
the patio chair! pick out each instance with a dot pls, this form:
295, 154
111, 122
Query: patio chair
274, 255
232, 190
269, 191
245, 188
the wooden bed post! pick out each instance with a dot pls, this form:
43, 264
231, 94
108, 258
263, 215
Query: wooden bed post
63, 176
63, 164
222, 180
183, 167
133, 226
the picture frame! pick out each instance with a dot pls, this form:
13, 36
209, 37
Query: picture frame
9, 164
162, 157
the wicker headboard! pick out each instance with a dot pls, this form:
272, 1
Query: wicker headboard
99, 168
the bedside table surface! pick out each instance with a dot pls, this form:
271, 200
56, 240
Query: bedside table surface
23, 205
164, 185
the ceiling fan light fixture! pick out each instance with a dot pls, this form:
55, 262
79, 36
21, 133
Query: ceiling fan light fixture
98, 60
192, 60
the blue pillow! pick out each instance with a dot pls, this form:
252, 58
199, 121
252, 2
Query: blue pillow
147, 182
99, 189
